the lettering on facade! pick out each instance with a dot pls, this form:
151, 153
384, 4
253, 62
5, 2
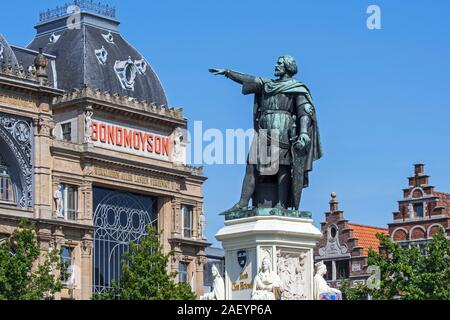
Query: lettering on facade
17, 101
130, 140
134, 178
241, 286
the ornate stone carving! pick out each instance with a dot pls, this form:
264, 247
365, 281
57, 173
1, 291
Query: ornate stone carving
321, 289
2, 48
108, 38
202, 225
58, 202
141, 66
267, 283
86, 246
45, 126
17, 134
292, 272
54, 38
128, 70
333, 248
125, 101
88, 126
102, 55
218, 291
179, 153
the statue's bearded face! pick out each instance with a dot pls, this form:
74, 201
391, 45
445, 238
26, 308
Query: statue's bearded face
280, 68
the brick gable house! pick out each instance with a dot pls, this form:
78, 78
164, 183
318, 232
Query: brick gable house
422, 212
344, 247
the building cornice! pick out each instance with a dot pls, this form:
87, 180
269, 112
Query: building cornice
123, 105
87, 153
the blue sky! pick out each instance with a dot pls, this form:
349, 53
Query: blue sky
382, 96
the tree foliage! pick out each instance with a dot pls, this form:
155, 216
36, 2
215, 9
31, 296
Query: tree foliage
145, 275
21, 276
406, 273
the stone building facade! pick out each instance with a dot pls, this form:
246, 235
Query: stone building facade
344, 247
90, 151
423, 211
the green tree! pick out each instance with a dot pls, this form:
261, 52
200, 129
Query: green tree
21, 278
145, 275
407, 274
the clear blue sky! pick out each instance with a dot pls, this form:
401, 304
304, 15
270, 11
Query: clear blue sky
382, 97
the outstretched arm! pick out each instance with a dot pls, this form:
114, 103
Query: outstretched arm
238, 77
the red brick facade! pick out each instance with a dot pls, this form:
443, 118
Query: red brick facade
344, 246
422, 211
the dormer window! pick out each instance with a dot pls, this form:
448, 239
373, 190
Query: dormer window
7, 193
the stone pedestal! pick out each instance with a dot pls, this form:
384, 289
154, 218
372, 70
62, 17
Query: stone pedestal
287, 238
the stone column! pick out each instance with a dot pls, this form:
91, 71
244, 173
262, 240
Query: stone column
176, 226
165, 224
85, 198
43, 195
201, 261
333, 270
86, 266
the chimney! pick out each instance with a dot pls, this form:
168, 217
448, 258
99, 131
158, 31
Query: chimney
419, 169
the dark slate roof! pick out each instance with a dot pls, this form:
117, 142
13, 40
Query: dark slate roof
78, 65
7, 55
26, 58
213, 252
17, 56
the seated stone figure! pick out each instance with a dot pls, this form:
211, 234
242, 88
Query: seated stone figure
267, 283
322, 291
218, 292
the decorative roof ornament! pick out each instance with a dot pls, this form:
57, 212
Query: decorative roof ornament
128, 70
141, 66
41, 64
108, 38
102, 55
54, 38
84, 5
2, 48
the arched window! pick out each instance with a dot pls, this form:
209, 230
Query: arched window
7, 193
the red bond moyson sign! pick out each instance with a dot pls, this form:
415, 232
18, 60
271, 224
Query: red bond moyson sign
130, 140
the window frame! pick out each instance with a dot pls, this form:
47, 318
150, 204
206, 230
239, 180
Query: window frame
9, 189
190, 228
64, 134
68, 262
183, 274
70, 214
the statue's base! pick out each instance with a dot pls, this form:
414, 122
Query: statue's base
286, 237
266, 212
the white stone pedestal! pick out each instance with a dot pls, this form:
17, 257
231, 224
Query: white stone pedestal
288, 242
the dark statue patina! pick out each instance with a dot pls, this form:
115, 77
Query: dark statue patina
286, 142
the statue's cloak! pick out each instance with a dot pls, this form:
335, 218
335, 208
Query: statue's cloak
302, 160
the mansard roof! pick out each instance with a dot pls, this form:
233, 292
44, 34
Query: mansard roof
90, 50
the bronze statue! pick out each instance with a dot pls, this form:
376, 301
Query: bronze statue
284, 117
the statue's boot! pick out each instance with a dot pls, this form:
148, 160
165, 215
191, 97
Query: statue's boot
280, 206
237, 207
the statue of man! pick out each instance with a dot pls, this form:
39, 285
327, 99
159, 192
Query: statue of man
284, 115
58, 202
202, 225
88, 126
